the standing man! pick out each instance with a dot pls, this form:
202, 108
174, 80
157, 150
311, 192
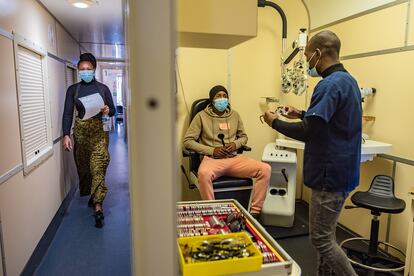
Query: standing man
331, 130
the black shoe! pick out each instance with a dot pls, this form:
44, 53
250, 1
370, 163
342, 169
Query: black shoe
99, 217
90, 202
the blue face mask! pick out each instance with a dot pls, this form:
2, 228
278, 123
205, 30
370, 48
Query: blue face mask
221, 104
312, 71
86, 75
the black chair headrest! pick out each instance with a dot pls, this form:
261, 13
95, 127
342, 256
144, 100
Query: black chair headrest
197, 106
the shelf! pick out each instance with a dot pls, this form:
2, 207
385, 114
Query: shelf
369, 149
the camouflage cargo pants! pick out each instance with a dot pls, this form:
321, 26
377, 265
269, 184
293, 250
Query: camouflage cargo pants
91, 157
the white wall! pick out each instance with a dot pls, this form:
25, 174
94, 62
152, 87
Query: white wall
28, 203
152, 149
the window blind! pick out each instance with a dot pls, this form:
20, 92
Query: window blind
70, 76
35, 127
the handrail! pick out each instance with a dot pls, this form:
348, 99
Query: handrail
395, 160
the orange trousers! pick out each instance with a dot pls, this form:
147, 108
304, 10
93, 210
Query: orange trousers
239, 166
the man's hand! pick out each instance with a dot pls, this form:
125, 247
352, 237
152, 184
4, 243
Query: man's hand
230, 148
67, 143
220, 152
269, 117
105, 110
291, 112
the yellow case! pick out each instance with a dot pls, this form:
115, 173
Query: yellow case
222, 267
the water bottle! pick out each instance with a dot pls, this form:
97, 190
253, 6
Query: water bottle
106, 122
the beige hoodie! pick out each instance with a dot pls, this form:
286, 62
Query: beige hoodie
202, 135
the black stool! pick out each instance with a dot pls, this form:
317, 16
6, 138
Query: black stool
379, 199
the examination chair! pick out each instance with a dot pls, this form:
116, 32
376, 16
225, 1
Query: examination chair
379, 199
224, 187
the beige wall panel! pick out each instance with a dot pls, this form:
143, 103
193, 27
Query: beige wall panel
57, 92
200, 70
376, 31
306, 194
327, 11
400, 222
67, 48
29, 201
392, 104
411, 26
30, 20
10, 132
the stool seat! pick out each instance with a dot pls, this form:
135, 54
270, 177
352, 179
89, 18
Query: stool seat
380, 197
232, 182
378, 203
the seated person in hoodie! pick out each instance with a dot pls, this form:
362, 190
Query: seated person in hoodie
218, 160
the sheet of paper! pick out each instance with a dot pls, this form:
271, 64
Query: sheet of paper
93, 104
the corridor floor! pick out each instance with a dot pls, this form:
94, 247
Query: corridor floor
79, 248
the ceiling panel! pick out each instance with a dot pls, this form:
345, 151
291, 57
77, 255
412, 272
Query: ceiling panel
103, 51
98, 24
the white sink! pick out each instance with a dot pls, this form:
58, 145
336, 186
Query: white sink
369, 149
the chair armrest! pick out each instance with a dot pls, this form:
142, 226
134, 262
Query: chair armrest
244, 148
188, 153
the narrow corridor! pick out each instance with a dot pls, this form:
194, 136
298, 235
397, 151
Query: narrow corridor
81, 249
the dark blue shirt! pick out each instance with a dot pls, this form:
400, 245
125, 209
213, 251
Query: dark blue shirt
332, 156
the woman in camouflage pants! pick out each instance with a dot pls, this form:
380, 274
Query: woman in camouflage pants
91, 141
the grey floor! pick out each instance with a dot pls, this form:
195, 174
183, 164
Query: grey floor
301, 249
